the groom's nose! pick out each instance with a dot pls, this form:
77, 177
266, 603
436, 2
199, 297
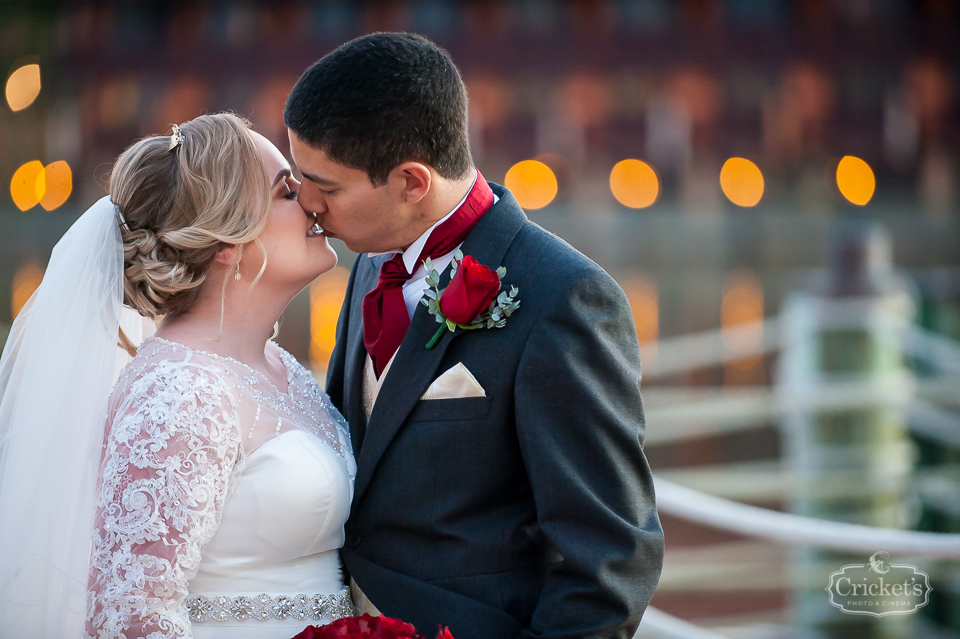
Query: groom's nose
310, 199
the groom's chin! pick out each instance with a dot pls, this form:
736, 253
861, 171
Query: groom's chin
358, 247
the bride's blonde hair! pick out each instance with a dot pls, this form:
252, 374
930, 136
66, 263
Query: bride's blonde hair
178, 204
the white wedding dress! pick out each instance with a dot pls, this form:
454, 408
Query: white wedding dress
222, 501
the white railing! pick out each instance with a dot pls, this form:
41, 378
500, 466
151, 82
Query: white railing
747, 408
788, 528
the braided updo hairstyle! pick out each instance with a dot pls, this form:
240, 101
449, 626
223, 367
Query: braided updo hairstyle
179, 204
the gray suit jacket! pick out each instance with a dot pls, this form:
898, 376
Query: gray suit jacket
526, 513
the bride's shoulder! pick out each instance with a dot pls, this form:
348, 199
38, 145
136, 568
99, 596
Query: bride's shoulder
169, 372
175, 399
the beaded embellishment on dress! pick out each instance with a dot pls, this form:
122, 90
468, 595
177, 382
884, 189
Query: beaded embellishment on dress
264, 607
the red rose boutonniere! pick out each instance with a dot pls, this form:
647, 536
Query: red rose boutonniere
472, 300
367, 627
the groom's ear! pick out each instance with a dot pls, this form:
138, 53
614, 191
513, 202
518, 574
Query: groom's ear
413, 179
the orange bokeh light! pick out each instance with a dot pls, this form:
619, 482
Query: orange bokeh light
23, 87
532, 183
326, 298
634, 184
48, 186
644, 298
58, 182
741, 181
742, 308
28, 185
25, 282
855, 180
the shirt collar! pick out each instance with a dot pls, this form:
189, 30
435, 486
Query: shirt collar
412, 252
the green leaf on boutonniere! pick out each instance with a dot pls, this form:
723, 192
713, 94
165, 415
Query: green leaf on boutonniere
501, 272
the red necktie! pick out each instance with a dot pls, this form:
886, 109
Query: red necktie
385, 319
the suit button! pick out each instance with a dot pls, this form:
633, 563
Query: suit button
353, 539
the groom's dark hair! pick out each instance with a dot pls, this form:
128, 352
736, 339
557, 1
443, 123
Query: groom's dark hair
381, 100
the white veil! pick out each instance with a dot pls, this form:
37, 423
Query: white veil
56, 373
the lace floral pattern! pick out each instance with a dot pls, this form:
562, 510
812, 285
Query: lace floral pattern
168, 462
173, 453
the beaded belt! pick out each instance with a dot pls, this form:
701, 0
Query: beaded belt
263, 607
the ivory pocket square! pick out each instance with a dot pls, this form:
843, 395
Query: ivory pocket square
455, 383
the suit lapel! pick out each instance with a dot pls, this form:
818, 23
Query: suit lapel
356, 352
415, 367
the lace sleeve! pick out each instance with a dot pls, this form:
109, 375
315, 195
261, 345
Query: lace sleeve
168, 463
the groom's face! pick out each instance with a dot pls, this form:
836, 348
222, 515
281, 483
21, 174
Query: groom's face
367, 218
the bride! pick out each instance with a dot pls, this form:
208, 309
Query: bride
216, 476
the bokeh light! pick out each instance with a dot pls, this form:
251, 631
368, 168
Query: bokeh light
326, 298
58, 182
855, 180
25, 282
644, 298
23, 86
532, 183
741, 181
48, 186
28, 185
634, 183
742, 308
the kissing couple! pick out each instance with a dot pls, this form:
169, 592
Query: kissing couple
475, 462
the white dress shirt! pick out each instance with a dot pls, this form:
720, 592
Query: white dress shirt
414, 288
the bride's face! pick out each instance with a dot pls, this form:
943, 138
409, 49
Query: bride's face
295, 256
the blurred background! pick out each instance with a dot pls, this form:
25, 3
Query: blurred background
774, 183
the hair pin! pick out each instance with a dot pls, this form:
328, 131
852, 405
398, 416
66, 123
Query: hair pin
176, 138
120, 218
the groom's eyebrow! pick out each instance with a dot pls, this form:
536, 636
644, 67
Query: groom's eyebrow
317, 179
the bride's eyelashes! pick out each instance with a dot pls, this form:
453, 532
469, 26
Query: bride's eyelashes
291, 193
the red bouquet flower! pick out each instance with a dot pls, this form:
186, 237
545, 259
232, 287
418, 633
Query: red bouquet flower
366, 627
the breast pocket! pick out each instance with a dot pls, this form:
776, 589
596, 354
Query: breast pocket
446, 410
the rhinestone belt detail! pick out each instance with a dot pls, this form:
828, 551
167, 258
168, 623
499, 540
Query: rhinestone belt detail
263, 607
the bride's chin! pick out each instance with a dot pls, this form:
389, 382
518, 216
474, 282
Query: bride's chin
324, 265
328, 256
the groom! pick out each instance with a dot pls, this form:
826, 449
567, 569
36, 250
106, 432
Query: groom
510, 497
